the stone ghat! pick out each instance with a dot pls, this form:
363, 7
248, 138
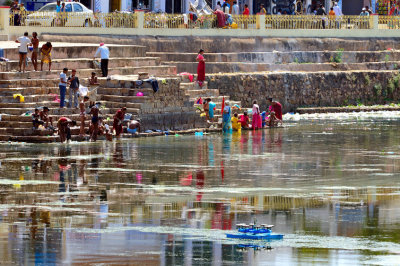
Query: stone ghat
234, 67
313, 110
279, 57
238, 44
310, 89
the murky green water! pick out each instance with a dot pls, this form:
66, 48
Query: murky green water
333, 189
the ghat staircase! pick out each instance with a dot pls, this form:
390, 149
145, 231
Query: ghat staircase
41, 89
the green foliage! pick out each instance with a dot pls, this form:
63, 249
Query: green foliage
8, 2
386, 58
394, 66
338, 56
390, 86
378, 89
296, 60
367, 79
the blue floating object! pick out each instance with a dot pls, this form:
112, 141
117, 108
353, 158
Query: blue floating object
198, 133
265, 236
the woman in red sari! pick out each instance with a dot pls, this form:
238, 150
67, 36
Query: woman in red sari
201, 68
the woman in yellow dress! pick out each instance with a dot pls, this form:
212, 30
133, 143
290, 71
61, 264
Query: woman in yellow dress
46, 55
236, 123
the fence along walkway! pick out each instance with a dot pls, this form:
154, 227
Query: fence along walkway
205, 25
183, 21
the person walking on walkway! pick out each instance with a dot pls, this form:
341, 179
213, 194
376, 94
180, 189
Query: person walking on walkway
23, 50
104, 55
73, 81
63, 86
201, 68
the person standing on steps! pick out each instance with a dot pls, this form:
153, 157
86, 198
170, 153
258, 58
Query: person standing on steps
235, 8
63, 86
46, 55
104, 55
82, 115
73, 81
118, 119
35, 52
201, 68
23, 50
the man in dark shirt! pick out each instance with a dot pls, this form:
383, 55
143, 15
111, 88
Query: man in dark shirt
73, 81
321, 12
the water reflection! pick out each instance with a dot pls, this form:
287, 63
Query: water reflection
333, 189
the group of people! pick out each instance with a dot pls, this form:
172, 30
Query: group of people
32, 44
258, 120
97, 125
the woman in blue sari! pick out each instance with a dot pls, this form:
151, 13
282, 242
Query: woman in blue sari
226, 119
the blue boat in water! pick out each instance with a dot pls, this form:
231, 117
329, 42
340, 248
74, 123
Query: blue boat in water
255, 232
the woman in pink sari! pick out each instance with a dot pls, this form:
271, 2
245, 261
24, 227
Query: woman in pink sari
256, 121
201, 68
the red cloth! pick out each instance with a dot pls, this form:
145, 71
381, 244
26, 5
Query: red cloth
201, 69
244, 120
63, 119
246, 12
220, 18
256, 121
277, 108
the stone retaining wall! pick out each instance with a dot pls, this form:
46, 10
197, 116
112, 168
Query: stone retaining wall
221, 44
297, 89
167, 109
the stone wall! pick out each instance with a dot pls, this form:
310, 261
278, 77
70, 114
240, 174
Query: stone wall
167, 109
190, 44
298, 89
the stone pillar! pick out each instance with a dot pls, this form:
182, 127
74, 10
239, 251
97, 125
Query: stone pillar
375, 22
4, 18
140, 18
261, 19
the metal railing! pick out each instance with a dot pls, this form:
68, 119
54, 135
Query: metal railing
184, 21
74, 19
318, 22
389, 22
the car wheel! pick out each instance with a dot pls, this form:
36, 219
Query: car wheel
88, 23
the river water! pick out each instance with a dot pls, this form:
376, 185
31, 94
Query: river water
329, 183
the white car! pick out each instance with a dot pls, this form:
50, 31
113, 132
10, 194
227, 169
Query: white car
76, 15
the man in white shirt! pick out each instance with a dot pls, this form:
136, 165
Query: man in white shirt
235, 8
337, 10
104, 55
24, 41
63, 86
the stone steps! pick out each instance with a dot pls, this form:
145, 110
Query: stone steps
124, 99
79, 63
76, 50
205, 93
283, 57
85, 73
125, 91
